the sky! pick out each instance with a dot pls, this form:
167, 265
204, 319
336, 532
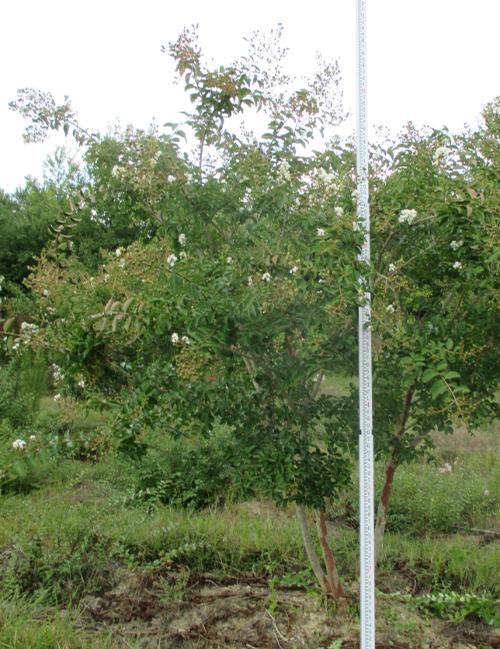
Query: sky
431, 62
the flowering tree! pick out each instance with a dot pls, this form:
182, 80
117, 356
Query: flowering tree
233, 317
239, 291
238, 295
435, 241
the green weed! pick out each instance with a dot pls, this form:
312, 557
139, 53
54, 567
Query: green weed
456, 607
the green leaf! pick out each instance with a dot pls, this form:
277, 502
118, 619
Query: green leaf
428, 375
438, 388
451, 374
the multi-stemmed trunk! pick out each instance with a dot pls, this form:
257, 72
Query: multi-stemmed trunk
329, 578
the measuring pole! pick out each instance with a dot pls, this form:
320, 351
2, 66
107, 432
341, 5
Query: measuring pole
366, 523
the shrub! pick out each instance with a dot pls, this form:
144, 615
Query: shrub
191, 475
23, 380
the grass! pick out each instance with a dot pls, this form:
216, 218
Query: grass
27, 625
452, 562
70, 529
428, 501
70, 538
233, 538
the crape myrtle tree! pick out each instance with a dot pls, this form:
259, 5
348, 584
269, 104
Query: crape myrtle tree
238, 293
238, 296
435, 241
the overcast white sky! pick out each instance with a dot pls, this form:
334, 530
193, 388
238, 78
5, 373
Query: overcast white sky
429, 61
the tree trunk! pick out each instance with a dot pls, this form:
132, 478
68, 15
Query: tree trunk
390, 469
332, 574
330, 583
383, 508
309, 545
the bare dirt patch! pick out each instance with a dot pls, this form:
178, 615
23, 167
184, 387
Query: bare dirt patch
158, 609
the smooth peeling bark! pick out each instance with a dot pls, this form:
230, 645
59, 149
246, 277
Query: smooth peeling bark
332, 574
310, 549
390, 469
383, 508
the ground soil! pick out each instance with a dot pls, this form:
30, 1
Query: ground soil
164, 610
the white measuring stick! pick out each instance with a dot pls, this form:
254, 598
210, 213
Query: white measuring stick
366, 492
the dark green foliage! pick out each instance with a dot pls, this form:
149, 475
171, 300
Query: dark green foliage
23, 381
24, 227
56, 575
198, 475
23, 471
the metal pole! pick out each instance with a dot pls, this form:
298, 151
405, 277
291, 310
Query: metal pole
366, 526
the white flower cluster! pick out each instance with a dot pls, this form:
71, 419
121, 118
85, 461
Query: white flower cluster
119, 252
229, 260
457, 265
283, 174
317, 187
327, 178
407, 216
28, 328
392, 268
339, 211
57, 397
19, 444
440, 154
57, 373
320, 232
179, 340
266, 277
390, 308
171, 260
81, 383
182, 239
247, 197
455, 245
293, 270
